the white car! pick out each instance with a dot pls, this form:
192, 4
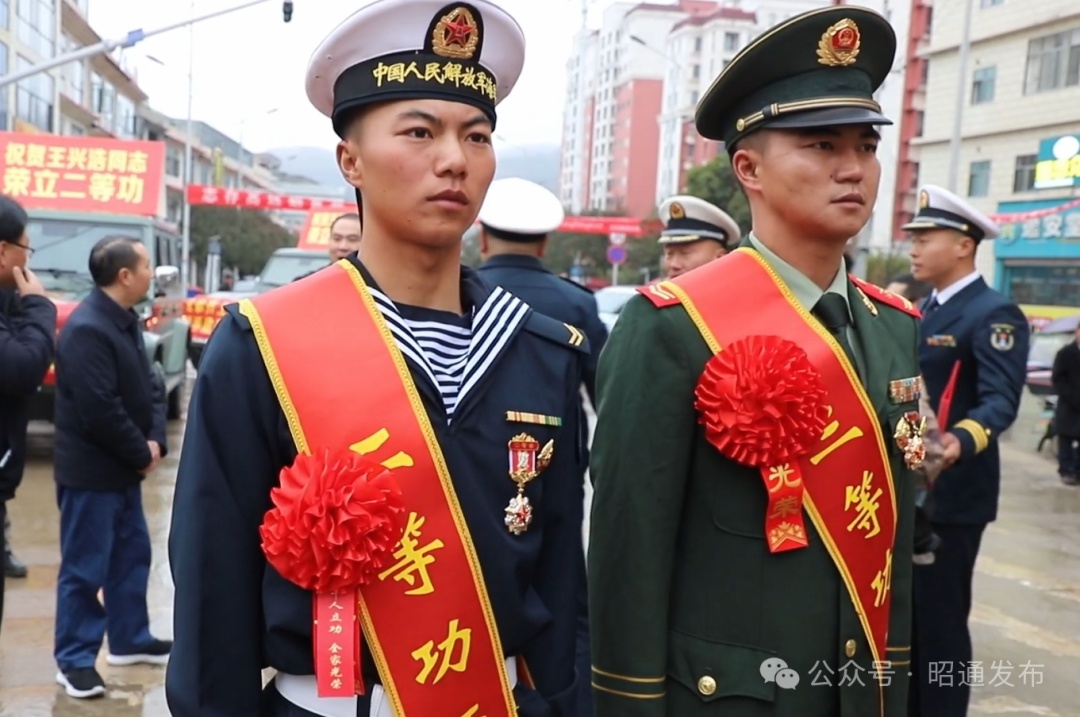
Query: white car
610, 301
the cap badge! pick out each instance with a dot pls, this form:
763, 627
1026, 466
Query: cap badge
456, 35
677, 211
924, 199
839, 45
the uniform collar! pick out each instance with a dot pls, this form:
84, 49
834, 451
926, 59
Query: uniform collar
516, 261
807, 292
474, 290
954, 288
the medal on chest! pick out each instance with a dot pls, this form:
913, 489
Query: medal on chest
909, 439
527, 461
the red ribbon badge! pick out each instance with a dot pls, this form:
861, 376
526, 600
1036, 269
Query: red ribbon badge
763, 405
336, 520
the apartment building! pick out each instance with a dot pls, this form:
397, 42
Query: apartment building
615, 85
1018, 128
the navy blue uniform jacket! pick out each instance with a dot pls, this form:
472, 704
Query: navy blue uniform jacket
27, 342
108, 402
988, 335
562, 299
235, 614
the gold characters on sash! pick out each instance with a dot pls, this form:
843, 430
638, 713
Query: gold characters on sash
527, 461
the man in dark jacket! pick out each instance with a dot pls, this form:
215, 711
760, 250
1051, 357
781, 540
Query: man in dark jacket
110, 433
1066, 379
27, 328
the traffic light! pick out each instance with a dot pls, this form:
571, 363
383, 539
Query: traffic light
286, 10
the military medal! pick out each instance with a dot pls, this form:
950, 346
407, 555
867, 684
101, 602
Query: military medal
527, 460
909, 438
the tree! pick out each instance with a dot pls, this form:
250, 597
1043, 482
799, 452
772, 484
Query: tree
715, 182
248, 237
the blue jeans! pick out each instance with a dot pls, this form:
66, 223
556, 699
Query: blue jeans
104, 543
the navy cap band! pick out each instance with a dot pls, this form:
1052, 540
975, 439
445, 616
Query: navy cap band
928, 218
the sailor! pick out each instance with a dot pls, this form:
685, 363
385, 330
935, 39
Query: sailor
751, 533
443, 460
515, 222
973, 353
695, 232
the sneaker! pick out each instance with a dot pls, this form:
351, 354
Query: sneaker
1068, 479
156, 653
82, 683
13, 567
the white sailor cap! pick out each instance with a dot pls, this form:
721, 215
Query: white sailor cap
520, 210
470, 52
941, 209
688, 219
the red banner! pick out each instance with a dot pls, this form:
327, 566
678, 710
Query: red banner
316, 231
82, 174
211, 196
205, 195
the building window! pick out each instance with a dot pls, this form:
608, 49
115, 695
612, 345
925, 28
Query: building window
1053, 62
1024, 177
982, 85
126, 119
34, 97
697, 44
990, 3
5, 16
979, 179
731, 41
35, 25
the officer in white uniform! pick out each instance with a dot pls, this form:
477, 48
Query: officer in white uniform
695, 233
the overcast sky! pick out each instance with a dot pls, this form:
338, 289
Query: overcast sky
251, 62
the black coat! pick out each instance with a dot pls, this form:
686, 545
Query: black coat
108, 402
27, 343
1066, 378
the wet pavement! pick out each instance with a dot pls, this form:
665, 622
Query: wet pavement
1025, 623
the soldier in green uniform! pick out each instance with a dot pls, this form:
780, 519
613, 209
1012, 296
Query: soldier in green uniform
758, 426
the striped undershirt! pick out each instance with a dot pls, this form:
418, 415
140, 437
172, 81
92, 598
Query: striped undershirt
454, 351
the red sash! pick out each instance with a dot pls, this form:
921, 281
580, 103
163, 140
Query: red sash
428, 619
845, 482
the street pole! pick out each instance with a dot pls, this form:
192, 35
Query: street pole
189, 176
133, 37
961, 94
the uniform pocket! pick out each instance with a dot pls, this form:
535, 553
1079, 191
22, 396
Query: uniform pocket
715, 670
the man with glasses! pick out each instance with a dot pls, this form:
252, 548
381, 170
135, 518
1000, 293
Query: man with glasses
27, 331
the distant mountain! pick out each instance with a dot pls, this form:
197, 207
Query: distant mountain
316, 163
538, 163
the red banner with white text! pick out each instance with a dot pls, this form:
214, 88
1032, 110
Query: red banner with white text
205, 195
82, 174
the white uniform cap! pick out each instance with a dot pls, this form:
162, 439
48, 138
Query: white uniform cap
688, 219
941, 209
470, 52
519, 206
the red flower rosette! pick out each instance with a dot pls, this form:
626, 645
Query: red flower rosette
336, 522
762, 404
761, 401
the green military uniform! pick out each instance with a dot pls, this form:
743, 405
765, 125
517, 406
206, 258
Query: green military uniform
689, 608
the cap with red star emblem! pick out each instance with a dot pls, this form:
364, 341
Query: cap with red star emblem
470, 52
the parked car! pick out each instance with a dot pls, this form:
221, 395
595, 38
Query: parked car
284, 266
610, 301
62, 242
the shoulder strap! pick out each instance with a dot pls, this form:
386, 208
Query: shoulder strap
886, 297
557, 332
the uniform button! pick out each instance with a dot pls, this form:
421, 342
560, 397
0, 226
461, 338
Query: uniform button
849, 648
706, 685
